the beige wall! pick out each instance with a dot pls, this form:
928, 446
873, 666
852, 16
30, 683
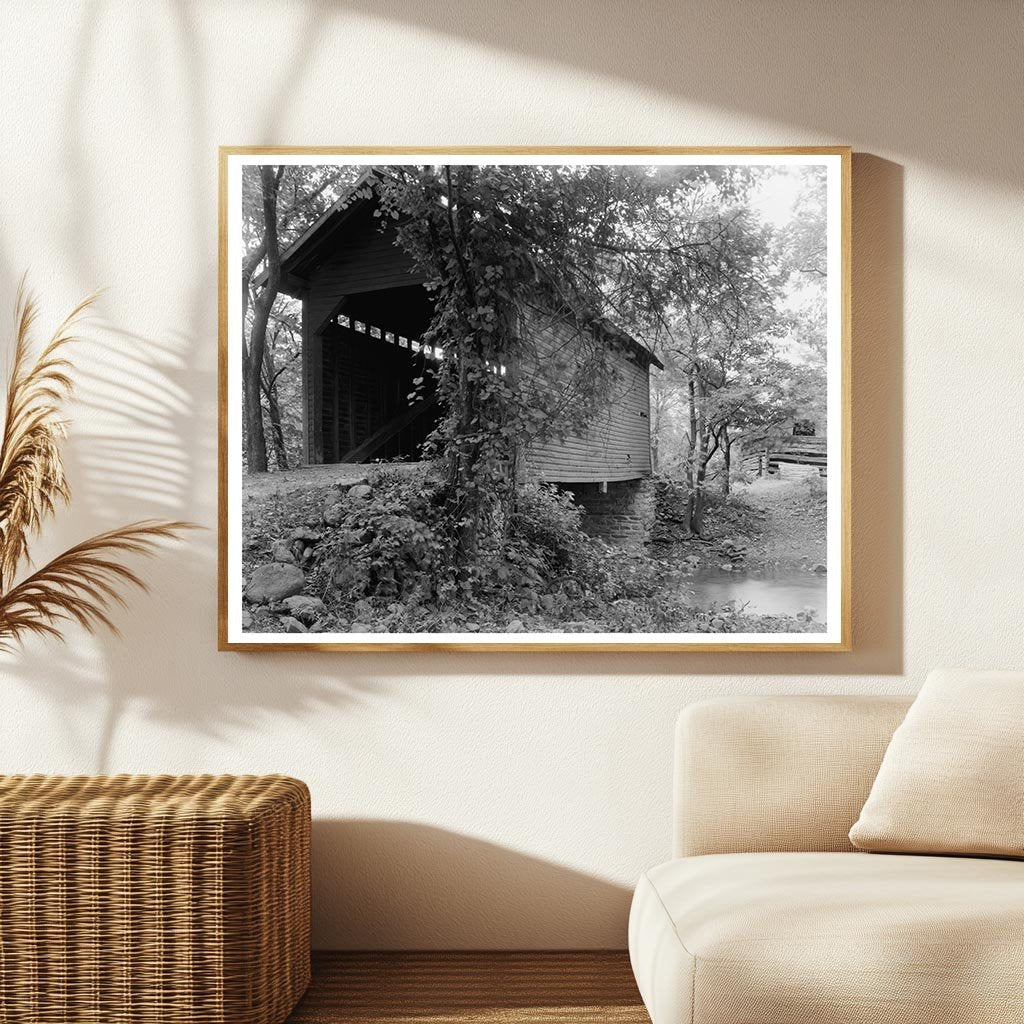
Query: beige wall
504, 800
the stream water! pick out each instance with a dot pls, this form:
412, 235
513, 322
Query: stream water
764, 594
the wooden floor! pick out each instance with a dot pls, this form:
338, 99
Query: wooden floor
471, 988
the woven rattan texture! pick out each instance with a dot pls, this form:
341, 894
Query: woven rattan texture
153, 899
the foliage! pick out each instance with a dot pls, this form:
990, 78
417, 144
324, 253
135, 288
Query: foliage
389, 546
516, 254
82, 583
387, 566
745, 348
278, 203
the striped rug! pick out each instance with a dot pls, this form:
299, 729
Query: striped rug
471, 988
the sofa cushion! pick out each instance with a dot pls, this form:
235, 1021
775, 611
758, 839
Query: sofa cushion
952, 778
779, 773
830, 938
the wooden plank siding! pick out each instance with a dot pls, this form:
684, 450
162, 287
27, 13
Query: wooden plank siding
617, 442
366, 259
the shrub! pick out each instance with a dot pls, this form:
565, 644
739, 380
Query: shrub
388, 546
550, 520
389, 564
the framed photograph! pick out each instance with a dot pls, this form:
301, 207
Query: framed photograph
535, 399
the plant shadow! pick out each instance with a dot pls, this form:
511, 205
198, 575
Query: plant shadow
146, 444
781, 67
404, 885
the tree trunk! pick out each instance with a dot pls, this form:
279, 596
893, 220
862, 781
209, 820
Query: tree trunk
697, 497
252, 362
276, 430
727, 457
691, 455
270, 375
700, 458
255, 436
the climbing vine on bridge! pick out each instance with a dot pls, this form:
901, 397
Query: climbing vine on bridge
512, 253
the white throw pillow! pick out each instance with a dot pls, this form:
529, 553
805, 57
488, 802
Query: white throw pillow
952, 779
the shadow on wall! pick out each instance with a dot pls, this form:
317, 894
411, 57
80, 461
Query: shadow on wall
129, 459
369, 879
149, 444
146, 446
783, 64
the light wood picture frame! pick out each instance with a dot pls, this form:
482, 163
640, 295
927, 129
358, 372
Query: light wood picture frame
368, 380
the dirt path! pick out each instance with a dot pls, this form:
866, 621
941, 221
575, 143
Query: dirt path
794, 523
770, 525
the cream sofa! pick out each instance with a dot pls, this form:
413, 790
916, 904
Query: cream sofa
769, 916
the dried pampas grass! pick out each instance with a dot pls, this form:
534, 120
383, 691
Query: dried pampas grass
83, 583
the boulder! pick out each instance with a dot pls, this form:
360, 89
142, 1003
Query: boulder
292, 625
306, 535
281, 551
360, 492
304, 607
335, 514
246, 618
820, 569
359, 627
274, 582
344, 485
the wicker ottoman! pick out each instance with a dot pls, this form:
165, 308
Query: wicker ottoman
135, 899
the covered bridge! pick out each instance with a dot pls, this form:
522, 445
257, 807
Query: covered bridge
364, 310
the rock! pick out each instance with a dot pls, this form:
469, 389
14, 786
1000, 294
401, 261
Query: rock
360, 492
345, 485
515, 626
320, 626
335, 514
306, 535
274, 582
820, 569
718, 623
292, 625
472, 627
280, 551
304, 607
246, 618
362, 609
726, 567
359, 627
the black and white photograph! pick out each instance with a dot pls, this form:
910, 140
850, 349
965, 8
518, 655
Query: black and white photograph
528, 399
